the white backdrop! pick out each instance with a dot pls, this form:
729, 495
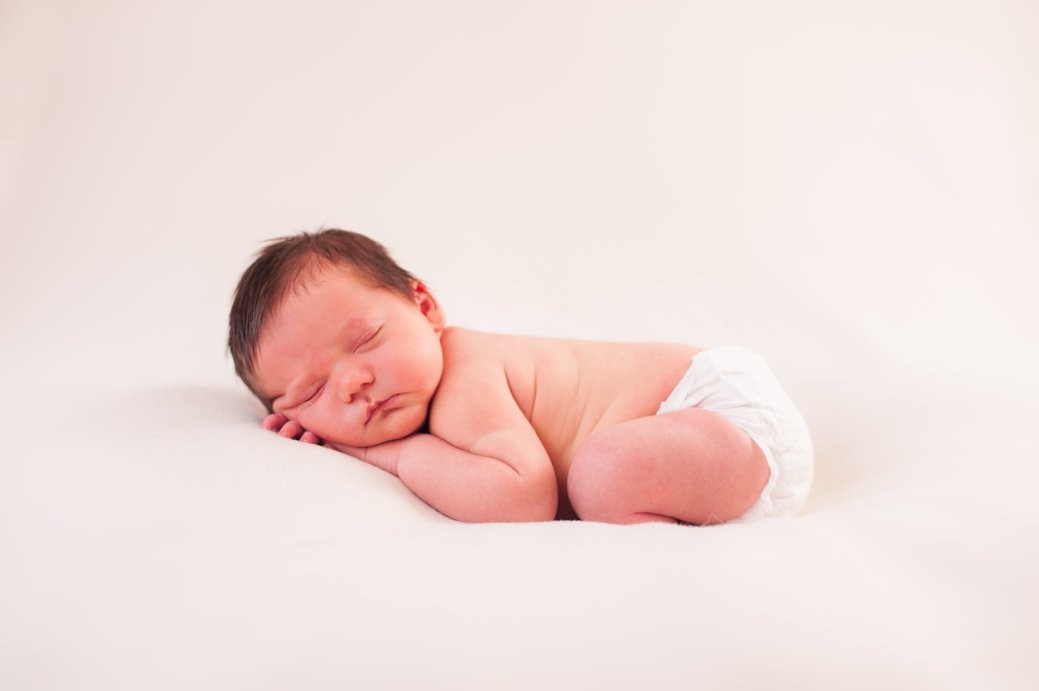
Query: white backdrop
546, 167
849, 188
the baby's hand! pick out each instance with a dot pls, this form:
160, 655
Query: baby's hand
381, 456
290, 429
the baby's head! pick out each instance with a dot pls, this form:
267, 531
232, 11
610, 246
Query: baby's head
289, 263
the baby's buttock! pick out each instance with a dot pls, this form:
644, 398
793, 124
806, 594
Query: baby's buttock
736, 384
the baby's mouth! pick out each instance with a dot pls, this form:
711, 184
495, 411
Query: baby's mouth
376, 407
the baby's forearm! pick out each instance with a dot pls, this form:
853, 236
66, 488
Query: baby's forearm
463, 485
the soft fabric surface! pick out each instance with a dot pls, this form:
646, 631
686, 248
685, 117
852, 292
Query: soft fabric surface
847, 188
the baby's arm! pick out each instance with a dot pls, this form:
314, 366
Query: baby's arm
501, 480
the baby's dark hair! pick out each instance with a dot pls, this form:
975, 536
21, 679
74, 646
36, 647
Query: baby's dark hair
285, 263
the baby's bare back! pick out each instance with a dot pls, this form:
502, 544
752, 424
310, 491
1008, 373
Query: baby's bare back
568, 389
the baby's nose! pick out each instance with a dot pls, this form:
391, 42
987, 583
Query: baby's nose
351, 380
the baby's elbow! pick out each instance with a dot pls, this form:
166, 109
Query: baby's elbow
545, 496
542, 507
531, 500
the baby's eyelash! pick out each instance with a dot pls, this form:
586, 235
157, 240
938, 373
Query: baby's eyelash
314, 394
367, 337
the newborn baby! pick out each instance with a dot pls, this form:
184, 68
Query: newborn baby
347, 349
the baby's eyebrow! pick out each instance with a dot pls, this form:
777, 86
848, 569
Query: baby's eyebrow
352, 324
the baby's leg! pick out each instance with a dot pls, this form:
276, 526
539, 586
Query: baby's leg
689, 465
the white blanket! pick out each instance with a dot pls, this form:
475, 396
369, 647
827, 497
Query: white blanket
847, 188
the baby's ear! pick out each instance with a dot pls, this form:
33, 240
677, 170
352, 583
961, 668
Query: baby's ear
428, 305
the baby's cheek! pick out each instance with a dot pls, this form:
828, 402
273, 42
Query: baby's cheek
410, 420
342, 431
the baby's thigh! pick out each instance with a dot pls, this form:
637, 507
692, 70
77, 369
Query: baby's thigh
692, 465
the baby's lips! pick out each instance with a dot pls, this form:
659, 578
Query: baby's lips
376, 407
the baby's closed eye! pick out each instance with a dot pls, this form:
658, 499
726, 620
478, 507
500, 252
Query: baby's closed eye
295, 400
313, 393
367, 338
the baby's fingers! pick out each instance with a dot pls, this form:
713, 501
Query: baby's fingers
310, 438
291, 430
274, 421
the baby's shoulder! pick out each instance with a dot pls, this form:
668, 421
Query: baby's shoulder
458, 341
466, 347
477, 375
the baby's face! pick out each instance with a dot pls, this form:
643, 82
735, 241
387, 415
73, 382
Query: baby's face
353, 364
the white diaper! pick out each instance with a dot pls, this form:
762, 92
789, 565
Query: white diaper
737, 384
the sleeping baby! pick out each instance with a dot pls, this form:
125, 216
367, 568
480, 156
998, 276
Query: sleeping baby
347, 349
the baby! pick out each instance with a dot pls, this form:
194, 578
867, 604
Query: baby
347, 349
